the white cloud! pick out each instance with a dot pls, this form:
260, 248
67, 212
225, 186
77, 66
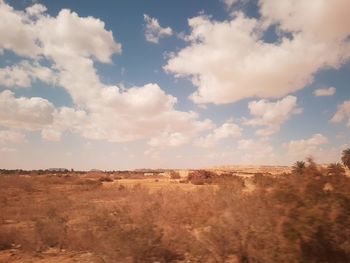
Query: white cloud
343, 113
321, 20
227, 130
325, 92
14, 77
36, 10
229, 60
263, 151
10, 136
183, 136
169, 139
21, 37
22, 74
271, 115
68, 36
25, 113
153, 31
72, 44
300, 149
256, 151
132, 114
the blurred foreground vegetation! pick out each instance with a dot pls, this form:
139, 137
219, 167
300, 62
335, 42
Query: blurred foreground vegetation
303, 216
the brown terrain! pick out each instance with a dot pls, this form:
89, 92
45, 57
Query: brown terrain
223, 214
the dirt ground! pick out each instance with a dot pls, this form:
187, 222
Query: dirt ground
49, 256
155, 184
40, 215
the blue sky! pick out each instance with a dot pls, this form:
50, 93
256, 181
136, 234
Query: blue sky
173, 84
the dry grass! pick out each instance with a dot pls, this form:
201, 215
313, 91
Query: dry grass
259, 219
156, 184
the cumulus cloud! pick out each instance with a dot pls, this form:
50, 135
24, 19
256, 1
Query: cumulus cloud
11, 136
14, 77
21, 38
230, 61
25, 113
54, 36
319, 19
60, 41
325, 92
226, 130
22, 74
343, 113
300, 149
271, 115
153, 31
72, 44
136, 113
35, 10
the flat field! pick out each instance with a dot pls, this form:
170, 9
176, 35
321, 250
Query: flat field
206, 217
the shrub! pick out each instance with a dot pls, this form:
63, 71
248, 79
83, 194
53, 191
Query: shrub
199, 181
264, 181
346, 158
174, 175
296, 220
87, 184
200, 177
336, 169
299, 168
105, 179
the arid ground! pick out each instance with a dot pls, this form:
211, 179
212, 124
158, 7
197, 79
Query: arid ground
204, 216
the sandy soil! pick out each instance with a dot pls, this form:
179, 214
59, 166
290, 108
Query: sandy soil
154, 184
49, 256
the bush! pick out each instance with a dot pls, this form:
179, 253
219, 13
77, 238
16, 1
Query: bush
87, 184
200, 177
199, 181
263, 181
105, 179
336, 169
296, 220
175, 175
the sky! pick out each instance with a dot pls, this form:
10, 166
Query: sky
117, 85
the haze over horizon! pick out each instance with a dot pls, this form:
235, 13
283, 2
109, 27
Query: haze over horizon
173, 84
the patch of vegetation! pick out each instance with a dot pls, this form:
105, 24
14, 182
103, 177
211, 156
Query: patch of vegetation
297, 217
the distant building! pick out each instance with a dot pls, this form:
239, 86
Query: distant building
165, 174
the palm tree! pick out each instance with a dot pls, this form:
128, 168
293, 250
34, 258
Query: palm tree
299, 168
346, 158
335, 169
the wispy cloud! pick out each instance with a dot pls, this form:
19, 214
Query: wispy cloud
325, 92
153, 31
343, 113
